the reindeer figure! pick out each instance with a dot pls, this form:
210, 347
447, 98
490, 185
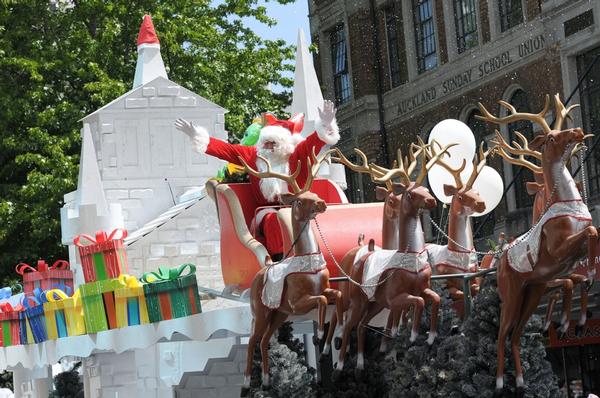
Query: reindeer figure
561, 237
458, 256
305, 282
537, 188
402, 276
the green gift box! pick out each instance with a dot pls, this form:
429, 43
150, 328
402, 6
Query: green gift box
170, 295
98, 300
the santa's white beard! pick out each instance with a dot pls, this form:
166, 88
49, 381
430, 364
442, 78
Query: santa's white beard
271, 188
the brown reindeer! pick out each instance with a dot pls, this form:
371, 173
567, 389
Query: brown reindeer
303, 289
565, 232
536, 188
457, 256
399, 286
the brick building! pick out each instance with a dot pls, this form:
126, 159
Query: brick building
396, 68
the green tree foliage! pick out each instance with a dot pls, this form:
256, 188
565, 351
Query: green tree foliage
62, 59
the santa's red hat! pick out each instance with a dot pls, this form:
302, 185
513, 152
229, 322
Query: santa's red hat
295, 124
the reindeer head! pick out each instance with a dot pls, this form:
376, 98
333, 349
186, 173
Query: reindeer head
552, 142
465, 199
305, 204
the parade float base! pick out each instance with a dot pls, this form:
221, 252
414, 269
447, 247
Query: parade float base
235, 318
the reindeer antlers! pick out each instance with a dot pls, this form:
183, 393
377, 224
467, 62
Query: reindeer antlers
561, 114
478, 165
454, 172
313, 169
538, 118
501, 147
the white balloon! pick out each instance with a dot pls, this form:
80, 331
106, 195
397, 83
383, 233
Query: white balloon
490, 186
452, 131
438, 176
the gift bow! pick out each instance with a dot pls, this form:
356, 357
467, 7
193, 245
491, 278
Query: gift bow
167, 274
7, 307
129, 281
38, 298
55, 295
42, 266
101, 237
5, 293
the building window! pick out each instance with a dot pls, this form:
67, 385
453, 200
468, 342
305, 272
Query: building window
396, 55
339, 59
511, 13
425, 34
465, 18
525, 127
353, 179
478, 127
590, 100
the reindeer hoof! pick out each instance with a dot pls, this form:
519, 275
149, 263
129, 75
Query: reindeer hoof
336, 375
358, 375
245, 392
337, 343
323, 356
454, 330
520, 392
588, 284
579, 330
316, 340
498, 393
266, 387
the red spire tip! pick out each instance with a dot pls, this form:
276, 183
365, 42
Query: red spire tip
147, 33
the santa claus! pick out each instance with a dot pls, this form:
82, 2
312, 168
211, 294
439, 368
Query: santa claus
282, 145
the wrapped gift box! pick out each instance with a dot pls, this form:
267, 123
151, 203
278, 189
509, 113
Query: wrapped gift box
64, 314
34, 311
9, 322
99, 305
45, 276
130, 302
170, 294
104, 257
25, 333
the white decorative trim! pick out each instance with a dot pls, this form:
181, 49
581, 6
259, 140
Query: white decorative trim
200, 139
329, 134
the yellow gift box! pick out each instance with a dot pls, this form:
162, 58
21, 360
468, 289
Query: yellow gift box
64, 314
130, 302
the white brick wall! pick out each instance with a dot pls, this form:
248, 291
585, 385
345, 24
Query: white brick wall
191, 237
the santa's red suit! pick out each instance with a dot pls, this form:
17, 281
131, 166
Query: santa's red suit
281, 143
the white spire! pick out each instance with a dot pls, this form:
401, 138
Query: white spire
307, 95
89, 185
149, 63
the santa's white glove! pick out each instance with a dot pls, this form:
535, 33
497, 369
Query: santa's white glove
197, 134
327, 127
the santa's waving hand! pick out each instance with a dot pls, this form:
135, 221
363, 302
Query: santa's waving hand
281, 143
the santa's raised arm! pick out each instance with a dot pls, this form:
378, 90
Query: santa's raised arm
279, 142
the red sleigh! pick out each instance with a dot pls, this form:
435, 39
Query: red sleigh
242, 255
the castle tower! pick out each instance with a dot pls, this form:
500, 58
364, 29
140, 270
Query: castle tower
149, 63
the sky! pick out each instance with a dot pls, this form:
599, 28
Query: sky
290, 17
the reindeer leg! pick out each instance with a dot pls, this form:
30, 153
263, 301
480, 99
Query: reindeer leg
330, 331
407, 300
532, 297
511, 297
430, 295
592, 250
336, 296
551, 302
259, 325
567, 303
386, 332
373, 309
356, 310
276, 321
581, 281
307, 303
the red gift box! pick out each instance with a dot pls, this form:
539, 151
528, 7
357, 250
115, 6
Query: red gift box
104, 257
44, 276
10, 327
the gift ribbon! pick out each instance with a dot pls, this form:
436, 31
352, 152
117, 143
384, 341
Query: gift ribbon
167, 274
42, 266
7, 307
129, 281
101, 237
